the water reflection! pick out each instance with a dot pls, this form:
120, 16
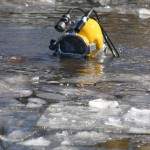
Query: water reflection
118, 144
82, 71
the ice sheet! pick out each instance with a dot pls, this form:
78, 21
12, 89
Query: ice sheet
64, 116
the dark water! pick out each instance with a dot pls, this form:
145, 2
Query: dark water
74, 104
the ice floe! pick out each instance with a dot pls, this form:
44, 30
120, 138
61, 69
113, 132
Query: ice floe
66, 142
114, 119
63, 116
36, 142
140, 116
139, 130
144, 13
35, 103
35, 80
65, 148
52, 96
15, 86
140, 99
17, 135
25, 93
100, 103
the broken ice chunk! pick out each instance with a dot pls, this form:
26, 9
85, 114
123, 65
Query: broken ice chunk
35, 103
36, 142
100, 103
141, 116
25, 93
144, 13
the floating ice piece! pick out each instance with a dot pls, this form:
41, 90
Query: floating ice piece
14, 80
141, 116
113, 121
140, 99
15, 136
101, 2
36, 142
65, 148
33, 105
100, 103
144, 13
25, 93
88, 134
37, 101
64, 116
48, 1
66, 142
139, 130
35, 80
4, 138
52, 96
15, 86
18, 135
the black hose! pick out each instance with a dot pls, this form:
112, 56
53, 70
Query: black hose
107, 39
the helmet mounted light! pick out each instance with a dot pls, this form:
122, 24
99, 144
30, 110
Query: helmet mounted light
82, 37
63, 22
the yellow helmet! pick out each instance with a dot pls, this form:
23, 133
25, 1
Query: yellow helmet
83, 38
92, 35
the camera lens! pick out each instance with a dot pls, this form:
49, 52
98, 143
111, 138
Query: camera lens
63, 23
60, 26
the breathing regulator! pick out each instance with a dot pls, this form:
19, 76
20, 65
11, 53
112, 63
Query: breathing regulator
82, 37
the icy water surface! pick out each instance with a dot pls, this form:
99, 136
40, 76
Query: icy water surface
73, 104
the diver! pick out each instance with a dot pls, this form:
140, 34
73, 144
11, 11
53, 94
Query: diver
83, 37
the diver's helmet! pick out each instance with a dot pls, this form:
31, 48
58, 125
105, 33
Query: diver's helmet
83, 37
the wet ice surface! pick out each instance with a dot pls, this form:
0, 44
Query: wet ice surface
59, 104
